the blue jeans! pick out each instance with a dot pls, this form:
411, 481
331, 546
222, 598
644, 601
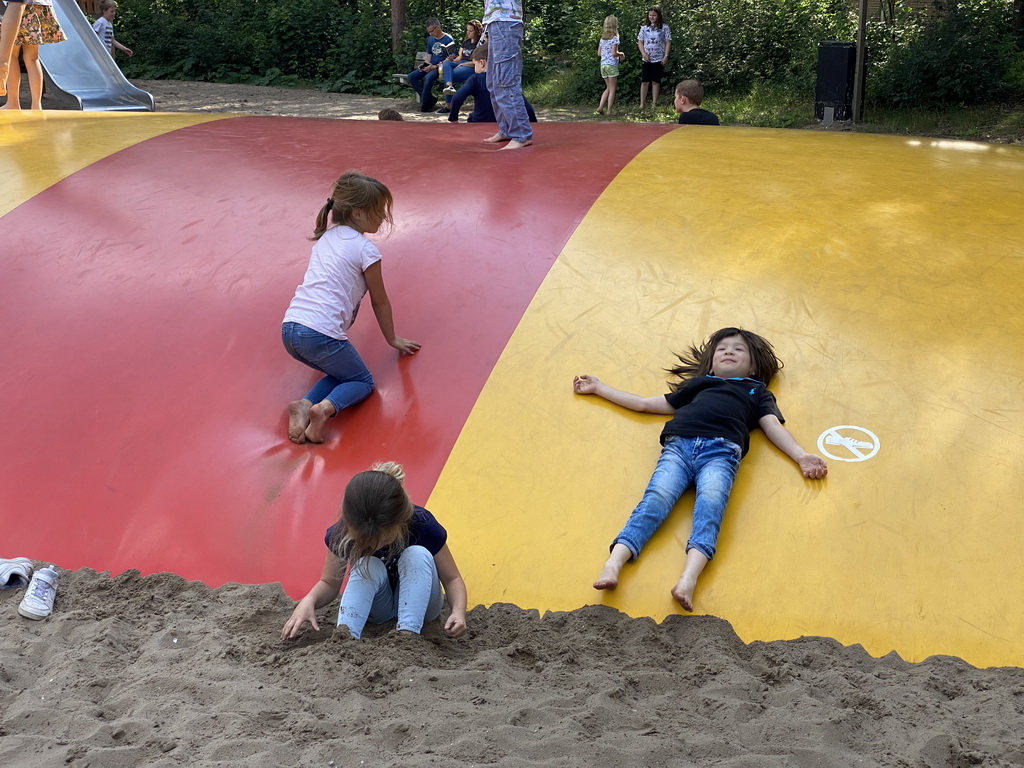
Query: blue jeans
711, 463
456, 73
423, 83
347, 379
416, 598
505, 79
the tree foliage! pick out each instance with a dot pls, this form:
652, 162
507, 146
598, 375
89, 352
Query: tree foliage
965, 51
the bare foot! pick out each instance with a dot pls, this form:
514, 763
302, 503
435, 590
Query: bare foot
512, 144
609, 578
298, 420
496, 138
318, 416
682, 592
4, 69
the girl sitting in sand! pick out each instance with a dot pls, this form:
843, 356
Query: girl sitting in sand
396, 554
343, 266
722, 394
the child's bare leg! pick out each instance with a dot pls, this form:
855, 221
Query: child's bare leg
30, 53
298, 420
611, 94
318, 416
655, 90
8, 34
497, 138
609, 578
643, 94
12, 81
683, 590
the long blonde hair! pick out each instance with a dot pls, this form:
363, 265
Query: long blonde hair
375, 508
611, 27
351, 191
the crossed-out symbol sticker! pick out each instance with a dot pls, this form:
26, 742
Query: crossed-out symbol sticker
848, 443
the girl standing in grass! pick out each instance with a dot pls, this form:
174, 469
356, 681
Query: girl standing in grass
610, 56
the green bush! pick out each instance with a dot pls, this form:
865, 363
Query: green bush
727, 44
961, 53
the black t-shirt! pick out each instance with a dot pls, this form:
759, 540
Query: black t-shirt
698, 116
424, 530
467, 47
712, 407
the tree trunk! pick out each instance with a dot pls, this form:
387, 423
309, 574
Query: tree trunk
397, 24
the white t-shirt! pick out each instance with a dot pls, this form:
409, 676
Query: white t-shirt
654, 41
105, 30
328, 299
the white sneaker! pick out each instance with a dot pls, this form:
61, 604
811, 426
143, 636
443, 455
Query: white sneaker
15, 573
38, 601
449, 90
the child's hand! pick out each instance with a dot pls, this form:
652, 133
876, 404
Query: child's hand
303, 612
585, 385
456, 625
405, 346
813, 466
622, 56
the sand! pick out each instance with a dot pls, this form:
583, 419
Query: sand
159, 671
179, 96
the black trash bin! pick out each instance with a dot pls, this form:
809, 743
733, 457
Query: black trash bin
837, 63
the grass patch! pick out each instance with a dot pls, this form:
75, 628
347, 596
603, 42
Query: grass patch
1002, 123
767, 106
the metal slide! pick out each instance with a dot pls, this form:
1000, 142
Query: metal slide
81, 73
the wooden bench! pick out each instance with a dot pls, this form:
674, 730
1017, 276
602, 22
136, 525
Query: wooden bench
403, 77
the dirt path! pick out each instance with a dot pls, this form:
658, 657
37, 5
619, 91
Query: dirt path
181, 96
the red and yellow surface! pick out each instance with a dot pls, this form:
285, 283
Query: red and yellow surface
146, 261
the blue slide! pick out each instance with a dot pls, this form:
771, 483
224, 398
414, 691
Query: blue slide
81, 73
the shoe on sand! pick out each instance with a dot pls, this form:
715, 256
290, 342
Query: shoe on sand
15, 573
38, 600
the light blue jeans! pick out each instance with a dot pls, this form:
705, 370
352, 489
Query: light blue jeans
505, 79
416, 599
452, 72
708, 462
347, 381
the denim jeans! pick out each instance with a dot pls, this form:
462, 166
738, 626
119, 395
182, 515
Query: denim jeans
711, 463
505, 79
347, 381
417, 597
423, 83
456, 72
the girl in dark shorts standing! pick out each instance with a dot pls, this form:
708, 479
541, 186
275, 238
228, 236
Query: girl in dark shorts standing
654, 41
